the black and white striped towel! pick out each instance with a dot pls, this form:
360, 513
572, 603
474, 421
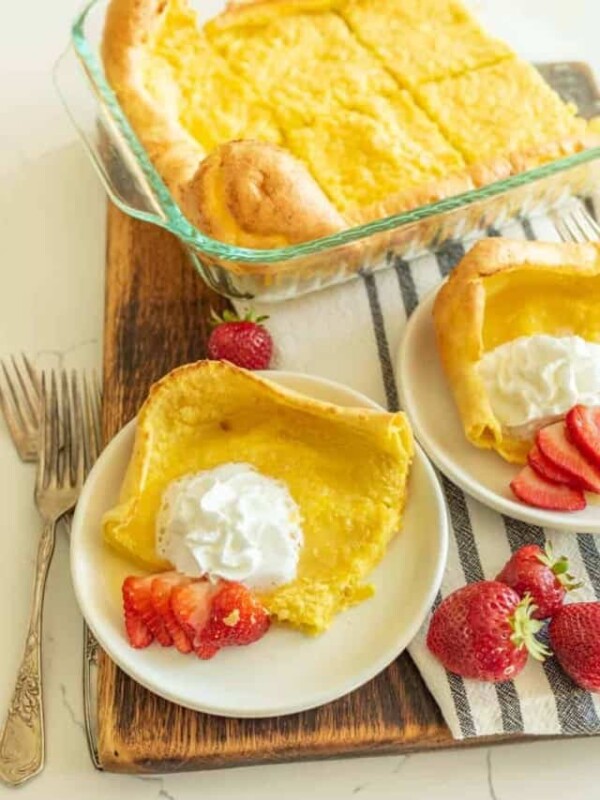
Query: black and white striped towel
351, 333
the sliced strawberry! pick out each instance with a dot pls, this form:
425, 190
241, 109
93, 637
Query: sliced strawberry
190, 604
136, 596
160, 595
554, 444
530, 488
236, 618
138, 632
549, 471
583, 427
206, 650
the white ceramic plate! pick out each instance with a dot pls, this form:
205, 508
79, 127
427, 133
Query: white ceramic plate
286, 671
427, 400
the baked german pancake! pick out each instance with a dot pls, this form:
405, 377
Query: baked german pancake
518, 332
345, 470
283, 121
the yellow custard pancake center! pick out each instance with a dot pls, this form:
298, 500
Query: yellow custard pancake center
533, 300
345, 468
353, 120
254, 76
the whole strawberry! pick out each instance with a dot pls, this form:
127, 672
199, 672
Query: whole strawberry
485, 631
575, 638
244, 341
536, 572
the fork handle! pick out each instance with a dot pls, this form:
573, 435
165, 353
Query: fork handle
22, 738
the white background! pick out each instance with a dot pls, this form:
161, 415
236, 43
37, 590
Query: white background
51, 302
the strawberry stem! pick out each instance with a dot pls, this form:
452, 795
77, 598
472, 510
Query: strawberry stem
524, 629
560, 567
231, 316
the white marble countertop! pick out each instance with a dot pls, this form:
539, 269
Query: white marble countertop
52, 211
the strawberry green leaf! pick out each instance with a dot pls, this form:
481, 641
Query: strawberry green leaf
524, 629
232, 316
560, 567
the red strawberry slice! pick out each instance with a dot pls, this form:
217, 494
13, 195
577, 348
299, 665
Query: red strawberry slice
530, 488
135, 592
236, 618
136, 595
160, 595
194, 614
554, 444
549, 471
138, 633
206, 650
583, 427
190, 604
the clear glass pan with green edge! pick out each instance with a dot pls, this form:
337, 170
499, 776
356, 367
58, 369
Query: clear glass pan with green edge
278, 274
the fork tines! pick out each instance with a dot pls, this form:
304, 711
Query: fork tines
70, 428
58, 413
20, 396
49, 462
577, 225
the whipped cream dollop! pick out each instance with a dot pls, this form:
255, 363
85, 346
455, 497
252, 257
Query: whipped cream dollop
534, 380
231, 522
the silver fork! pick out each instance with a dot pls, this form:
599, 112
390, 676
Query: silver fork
20, 395
60, 475
576, 225
20, 398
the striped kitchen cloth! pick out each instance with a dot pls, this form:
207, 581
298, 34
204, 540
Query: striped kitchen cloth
351, 334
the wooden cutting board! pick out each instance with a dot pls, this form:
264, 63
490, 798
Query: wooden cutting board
156, 312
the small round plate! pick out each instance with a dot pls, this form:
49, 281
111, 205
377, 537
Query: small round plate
483, 474
286, 671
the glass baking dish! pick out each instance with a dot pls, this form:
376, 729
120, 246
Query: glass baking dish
278, 274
